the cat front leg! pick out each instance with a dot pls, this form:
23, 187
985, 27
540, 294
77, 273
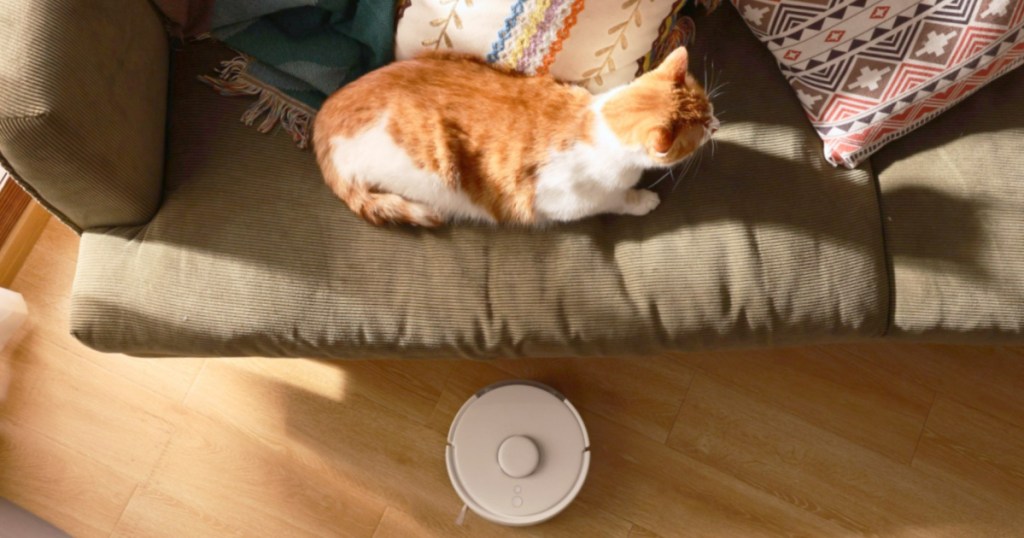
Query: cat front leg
637, 202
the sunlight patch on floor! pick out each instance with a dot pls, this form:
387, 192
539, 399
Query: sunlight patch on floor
316, 377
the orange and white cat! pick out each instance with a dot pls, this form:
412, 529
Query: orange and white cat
446, 137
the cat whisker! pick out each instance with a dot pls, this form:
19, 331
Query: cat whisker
663, 176
685, 165
679, 179
717, 90
705, 69
696, 167
682, 174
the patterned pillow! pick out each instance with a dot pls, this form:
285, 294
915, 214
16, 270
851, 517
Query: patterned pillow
870, 71
597, 44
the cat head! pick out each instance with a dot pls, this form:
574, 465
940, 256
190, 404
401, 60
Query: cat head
665, 113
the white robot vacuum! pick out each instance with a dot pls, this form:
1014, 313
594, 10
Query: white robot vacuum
517, 453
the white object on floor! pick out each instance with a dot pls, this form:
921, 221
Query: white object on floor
517, 453
13, 312
16, 522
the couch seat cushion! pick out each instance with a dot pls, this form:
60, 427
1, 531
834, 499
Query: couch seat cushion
251, 254
953, 198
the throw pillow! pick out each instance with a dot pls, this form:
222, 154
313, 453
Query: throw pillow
870, 71
598, 45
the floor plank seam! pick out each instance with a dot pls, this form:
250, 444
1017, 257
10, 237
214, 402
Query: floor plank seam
127, 503
176, 426
679, 411
437, 402
193, 383
981, 410
383, 513
924, 426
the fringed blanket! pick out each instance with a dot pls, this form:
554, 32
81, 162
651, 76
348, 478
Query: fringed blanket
293, 52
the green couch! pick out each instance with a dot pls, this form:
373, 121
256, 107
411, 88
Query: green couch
201, 237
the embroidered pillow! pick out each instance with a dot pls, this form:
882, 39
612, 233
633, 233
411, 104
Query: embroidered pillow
870, 71
598, 45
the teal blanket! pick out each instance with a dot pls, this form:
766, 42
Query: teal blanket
294, 52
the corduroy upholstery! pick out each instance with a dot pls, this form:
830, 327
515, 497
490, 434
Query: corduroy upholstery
953, 202
82, 106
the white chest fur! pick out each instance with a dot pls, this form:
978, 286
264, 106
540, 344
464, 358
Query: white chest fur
590, 177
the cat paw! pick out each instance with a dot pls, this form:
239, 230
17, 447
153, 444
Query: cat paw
640, 202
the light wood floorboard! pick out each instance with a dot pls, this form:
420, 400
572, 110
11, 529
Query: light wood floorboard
878, 439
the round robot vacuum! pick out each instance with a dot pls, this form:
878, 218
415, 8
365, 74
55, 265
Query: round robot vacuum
517, 453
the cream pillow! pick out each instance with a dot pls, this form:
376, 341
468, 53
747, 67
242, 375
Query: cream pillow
595, 44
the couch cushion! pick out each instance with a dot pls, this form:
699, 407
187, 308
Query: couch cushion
252, 255
953, 198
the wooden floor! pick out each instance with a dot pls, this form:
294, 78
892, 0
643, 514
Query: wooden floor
889, 440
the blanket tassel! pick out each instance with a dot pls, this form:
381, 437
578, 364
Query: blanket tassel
271, 105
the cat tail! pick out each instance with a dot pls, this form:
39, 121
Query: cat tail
377, 207
381, 208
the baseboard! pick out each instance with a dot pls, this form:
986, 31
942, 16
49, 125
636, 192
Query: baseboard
13, 201
21, 223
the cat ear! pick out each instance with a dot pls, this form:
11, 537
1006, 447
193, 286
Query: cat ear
675, 66
659, 140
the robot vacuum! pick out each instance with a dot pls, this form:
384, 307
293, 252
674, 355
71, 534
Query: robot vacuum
517, 453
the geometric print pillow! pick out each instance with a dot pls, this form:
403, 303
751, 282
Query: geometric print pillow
870, 71
596, 44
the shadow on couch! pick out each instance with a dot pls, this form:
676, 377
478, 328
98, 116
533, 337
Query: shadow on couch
829, 205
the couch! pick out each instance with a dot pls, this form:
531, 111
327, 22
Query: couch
202, 237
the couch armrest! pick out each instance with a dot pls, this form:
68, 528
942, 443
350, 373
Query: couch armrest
83, 98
